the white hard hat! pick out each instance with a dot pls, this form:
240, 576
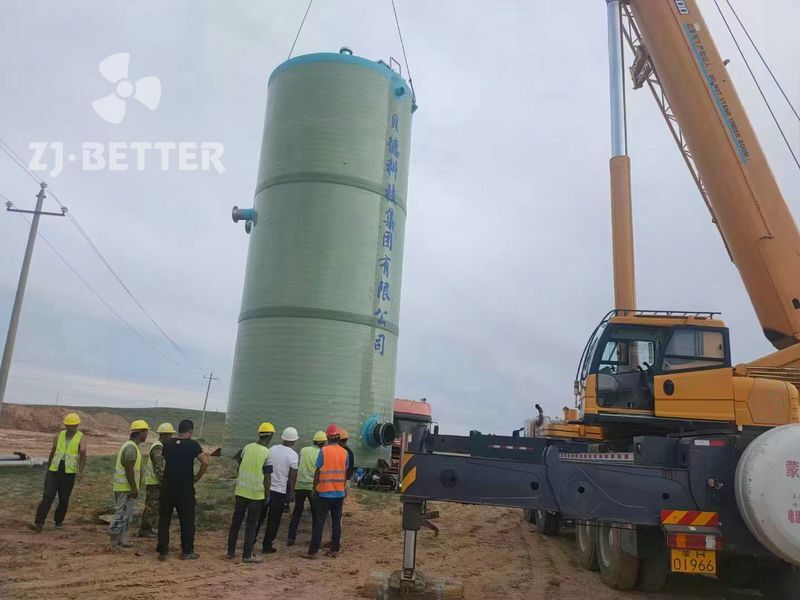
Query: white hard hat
290, 434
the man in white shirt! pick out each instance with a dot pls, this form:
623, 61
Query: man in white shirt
284, 461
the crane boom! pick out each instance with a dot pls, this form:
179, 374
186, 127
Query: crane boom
747, 204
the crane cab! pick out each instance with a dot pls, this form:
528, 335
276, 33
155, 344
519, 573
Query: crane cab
672, 371
657, 368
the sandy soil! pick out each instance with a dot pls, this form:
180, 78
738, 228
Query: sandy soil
491, 549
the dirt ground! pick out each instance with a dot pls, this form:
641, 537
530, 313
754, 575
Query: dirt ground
491, 549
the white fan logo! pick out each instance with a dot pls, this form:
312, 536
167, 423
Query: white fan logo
146, 90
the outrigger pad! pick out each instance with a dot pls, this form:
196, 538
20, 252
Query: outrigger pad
389, 586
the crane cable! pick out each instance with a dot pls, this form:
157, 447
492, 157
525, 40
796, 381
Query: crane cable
405, 57
299, 29
758, 85
763, 60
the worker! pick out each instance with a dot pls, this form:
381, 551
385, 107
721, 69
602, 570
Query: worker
304, 486
126, 483
66, 463
329, 481
252, 485
284, 462
351, 463
177, 489
153, 475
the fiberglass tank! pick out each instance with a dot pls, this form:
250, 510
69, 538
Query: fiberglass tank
318, 328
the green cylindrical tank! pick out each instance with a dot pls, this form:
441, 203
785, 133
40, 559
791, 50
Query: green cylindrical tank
318, 328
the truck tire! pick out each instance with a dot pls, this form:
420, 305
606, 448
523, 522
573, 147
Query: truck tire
547, 523
653, 567
618, 569
780, 583
586, 543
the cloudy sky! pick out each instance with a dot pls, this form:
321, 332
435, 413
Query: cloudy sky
507, 262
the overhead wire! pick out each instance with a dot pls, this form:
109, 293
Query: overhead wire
763, 60
758, 85
18, 160
299, 29
99, 297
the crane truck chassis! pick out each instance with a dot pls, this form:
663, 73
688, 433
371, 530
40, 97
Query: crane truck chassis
667, 505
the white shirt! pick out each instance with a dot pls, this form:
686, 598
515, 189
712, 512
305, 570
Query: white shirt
281, 459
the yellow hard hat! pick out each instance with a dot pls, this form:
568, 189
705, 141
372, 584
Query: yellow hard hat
165, 428
343, 435
320, 437
266, 427
139, 425
72, 419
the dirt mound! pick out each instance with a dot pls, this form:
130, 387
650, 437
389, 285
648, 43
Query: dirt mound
50, 420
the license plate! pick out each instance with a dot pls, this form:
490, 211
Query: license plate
703, 562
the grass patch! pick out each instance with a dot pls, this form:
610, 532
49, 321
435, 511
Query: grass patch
94, 496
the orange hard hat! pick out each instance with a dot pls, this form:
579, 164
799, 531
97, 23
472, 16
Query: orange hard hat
332, 430
343, 435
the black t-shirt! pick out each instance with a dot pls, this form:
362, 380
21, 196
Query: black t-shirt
179, 455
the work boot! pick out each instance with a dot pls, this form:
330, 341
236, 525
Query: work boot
268, 550
58, 525
230, 555
147, 533
252, 559
124, 544
290, 542
190, 556
162, 557
35, 527
310, 555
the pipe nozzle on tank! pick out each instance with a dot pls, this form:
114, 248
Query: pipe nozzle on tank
378, 433
248, 215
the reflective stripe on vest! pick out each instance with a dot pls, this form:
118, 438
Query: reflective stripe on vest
149, 474
67, 452
120, 480
332, 474
250, 481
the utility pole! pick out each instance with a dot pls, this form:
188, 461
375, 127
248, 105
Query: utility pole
210, 378
8, 351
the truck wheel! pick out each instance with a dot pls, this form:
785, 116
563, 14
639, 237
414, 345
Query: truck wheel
780, 583
530, 515
618, 569
653, 567
547, 523
586, 542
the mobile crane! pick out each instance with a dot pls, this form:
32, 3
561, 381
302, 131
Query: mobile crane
700, 469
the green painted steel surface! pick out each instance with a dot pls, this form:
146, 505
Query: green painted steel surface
318, 327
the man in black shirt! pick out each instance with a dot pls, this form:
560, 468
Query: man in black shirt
177, 489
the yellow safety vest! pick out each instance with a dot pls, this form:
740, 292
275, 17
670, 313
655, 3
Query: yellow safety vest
68, 452
120, 480
149, 474
250, 481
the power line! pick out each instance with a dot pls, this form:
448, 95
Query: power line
763, 60
98, 296
299, 29
18, 160
755, 80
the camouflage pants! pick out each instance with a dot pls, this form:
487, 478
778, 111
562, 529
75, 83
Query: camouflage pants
150, 512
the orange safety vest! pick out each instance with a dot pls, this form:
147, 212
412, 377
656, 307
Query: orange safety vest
332, 474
